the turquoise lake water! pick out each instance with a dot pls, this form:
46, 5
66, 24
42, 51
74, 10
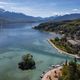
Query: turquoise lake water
19, 39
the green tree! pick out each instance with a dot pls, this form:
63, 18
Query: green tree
27, 62
57, 39
71, 70
27, 58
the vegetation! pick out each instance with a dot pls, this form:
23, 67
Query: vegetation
65, 46
27, 62
57, 39
71, 31
71, 71
69, 27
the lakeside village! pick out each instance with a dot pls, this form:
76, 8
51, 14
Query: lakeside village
67, 44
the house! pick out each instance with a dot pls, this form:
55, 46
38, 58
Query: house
74, 43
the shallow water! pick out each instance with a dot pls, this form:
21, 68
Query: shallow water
19, 39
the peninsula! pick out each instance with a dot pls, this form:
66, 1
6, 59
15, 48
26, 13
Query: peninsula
70, 31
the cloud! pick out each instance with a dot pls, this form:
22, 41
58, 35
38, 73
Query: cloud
75, 9
15, 7
40, 7
60, 13
5, 3
20, 9
2, 3
1, 6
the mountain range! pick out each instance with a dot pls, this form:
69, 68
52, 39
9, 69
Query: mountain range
6, 16
10, 17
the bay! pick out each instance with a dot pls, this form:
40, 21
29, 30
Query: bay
19, 39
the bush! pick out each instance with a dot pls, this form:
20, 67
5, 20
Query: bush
57, 39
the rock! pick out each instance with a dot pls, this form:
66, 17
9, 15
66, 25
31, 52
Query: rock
27, 63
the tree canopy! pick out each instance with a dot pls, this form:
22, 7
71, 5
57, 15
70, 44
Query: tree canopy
27, 62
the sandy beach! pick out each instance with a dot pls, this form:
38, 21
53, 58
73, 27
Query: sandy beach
61, 51
53, 74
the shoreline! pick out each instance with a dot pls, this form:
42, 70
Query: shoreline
51, 73
61, 51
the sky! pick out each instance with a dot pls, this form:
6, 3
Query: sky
42, 8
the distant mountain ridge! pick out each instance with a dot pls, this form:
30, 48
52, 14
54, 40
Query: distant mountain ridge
16, 17
68, 17
7, 17
63, 17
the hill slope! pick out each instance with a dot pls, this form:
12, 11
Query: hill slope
69, 27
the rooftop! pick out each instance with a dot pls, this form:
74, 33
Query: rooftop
74, 42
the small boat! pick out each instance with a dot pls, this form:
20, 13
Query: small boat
57, 66
41, 75
53, 66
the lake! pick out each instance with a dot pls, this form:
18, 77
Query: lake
19, 39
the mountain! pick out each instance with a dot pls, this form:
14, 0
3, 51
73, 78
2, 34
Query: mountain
67, 17
63, 17
10, 17
51, 18
6, 16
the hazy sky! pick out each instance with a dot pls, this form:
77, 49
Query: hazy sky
42, 8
